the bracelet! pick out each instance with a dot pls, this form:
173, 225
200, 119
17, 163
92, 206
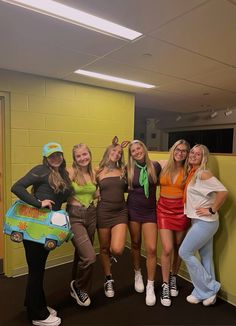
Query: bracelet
211, 211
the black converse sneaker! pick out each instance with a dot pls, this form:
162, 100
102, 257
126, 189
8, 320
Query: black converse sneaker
109, 288
173, 286
165, 295
80, 296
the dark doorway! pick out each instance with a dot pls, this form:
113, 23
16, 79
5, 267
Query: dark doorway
217, 140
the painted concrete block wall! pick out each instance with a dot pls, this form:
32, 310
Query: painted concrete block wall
223, 167
43, 110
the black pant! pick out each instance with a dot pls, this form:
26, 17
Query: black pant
36, 256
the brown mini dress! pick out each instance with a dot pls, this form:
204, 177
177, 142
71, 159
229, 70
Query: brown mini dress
111, 209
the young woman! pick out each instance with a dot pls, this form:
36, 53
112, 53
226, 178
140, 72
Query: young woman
111, 210
82, 213
204, 195
51, 187
172, 223
142, 181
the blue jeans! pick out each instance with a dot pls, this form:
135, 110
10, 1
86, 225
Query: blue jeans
200, 238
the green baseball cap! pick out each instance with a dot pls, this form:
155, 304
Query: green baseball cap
51, 148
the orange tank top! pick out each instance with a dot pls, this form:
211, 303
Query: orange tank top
170, 189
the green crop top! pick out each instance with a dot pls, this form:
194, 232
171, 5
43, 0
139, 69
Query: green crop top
84, 193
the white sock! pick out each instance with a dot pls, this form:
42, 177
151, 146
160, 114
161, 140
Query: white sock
150, 283
137, 271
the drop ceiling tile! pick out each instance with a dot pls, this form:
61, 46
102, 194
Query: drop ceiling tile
209, 30
151, 54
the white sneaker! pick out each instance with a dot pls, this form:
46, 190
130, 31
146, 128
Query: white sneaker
50, 321
52, 311
150, 296
192, 299
138, 282
209, 301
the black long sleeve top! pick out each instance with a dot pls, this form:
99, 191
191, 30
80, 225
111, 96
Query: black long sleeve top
38, 177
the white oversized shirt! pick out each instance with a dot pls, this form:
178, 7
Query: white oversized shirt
202, 194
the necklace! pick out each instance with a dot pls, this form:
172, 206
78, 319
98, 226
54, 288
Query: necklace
111, 166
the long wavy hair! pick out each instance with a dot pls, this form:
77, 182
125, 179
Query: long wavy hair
78, 175
105, 160
170, 166
203, 164
58, 179
131, 164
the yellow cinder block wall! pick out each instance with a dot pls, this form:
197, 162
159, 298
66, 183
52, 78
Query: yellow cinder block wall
43, 110
223, 167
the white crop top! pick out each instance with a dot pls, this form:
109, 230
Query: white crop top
202, 194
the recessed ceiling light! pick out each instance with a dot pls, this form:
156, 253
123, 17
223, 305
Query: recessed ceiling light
214, 114
178, 118
147, 54
228, 112
113, 79
77, 17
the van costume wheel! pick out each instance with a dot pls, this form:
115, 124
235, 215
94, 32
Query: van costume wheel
16, 236
50, 244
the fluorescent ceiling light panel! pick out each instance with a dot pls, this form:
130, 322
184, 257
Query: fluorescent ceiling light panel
113, 79
77, 17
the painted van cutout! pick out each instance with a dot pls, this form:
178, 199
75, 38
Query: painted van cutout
26, 222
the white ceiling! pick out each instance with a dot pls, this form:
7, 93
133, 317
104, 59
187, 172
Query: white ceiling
188, 49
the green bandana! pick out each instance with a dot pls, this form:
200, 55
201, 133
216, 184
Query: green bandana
143, 179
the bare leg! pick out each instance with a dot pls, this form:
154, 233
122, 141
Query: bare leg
178, 238
167, 241
135, 230
118, 237
104, 236
150, 242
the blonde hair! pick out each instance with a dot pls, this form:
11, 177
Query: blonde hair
77, 173
170, 167
131, 164
203, 165
58, 179
105, 159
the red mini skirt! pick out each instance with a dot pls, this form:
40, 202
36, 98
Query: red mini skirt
170, 214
